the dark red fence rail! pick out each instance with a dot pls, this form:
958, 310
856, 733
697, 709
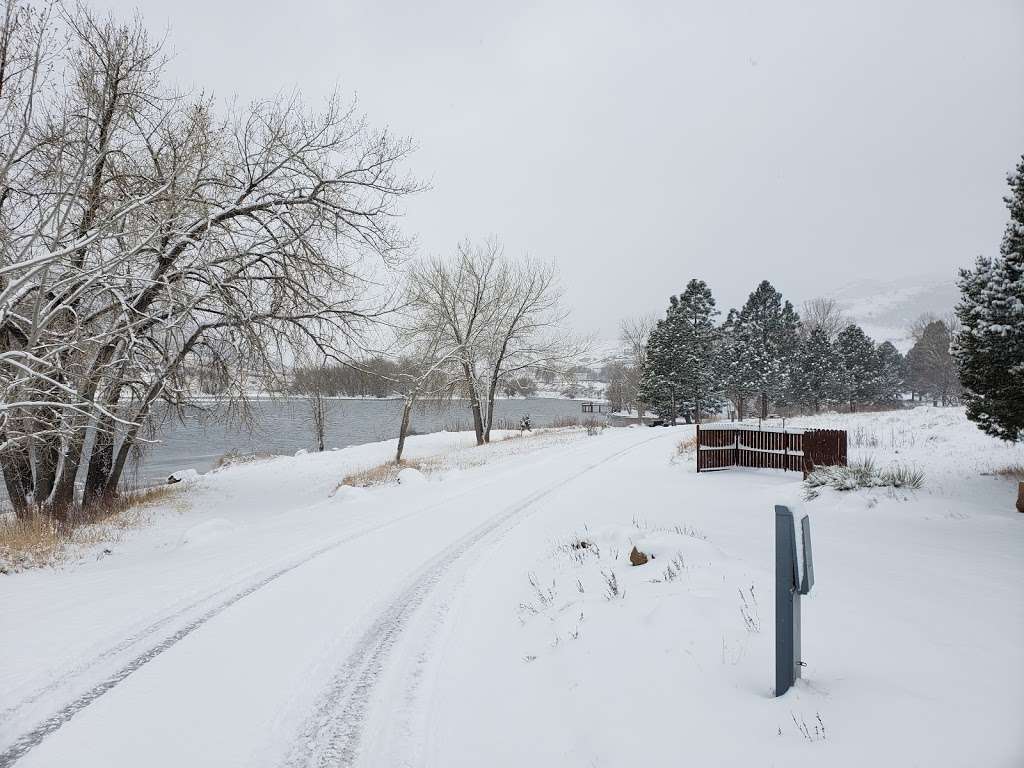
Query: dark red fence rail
794, 450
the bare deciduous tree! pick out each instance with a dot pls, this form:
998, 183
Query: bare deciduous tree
500, 317
823, 313
633, 335
147, 237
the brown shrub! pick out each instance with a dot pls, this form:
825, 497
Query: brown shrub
1013, 472
387, 473
40, 539
686, 446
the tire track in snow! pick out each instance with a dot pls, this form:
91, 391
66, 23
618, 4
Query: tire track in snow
27, 741
332, 734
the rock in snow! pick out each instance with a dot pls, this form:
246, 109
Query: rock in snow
182, 476
636, 557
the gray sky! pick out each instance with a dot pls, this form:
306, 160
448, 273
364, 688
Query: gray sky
641, 144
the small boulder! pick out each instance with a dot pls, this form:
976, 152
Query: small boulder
636, 557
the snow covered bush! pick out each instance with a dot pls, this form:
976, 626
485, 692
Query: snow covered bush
863, 473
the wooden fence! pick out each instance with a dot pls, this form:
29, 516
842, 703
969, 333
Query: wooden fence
787, 448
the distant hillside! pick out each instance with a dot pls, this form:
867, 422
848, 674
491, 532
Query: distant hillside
886, 308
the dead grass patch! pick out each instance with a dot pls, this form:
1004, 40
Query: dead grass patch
689, 445
1014, 472
42, 540
234, 458
387, 473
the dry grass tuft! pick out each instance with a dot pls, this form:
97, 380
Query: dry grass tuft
684, 447
387, 473
234, 458
1014, 472
42, 540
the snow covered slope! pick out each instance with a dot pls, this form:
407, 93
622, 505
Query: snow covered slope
886, 308
490, 615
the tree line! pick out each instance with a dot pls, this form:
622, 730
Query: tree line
765, 357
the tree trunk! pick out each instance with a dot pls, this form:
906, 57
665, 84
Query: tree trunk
47, 458
739, 407
101, 461
492, 391
63, 496
640, 411
121, 459
764, 405
17, 470
404, 429
474, 404
316, 403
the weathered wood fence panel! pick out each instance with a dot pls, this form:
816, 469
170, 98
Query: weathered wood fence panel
789, 449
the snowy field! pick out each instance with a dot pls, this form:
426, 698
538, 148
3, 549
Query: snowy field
488, 614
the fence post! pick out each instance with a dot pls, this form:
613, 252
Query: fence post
698, 447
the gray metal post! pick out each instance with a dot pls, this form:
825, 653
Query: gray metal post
787, 602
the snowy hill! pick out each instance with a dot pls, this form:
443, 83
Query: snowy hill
886, 308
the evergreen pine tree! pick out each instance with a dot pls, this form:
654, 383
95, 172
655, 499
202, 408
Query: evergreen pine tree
657, 381
697, 348
858, 364
738, 379
682, 375
932, 368
990, 346
767, 338
891, 372
814, 378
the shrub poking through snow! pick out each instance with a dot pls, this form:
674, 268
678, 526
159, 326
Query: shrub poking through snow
387, 473
749, 612
41, 540
862, 474
611, 586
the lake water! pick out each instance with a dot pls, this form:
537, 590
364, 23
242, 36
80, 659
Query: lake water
284, 426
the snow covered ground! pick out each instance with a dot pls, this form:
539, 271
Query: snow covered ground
488, 614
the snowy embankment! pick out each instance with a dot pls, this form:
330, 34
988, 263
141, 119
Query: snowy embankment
490, 614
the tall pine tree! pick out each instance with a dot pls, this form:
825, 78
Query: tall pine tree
931, 366
767, 338
859, 368
814, 378
682, 375
739, 381
990, 346
891, 373
697, 350
658, 390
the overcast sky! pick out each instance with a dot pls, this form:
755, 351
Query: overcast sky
641, 144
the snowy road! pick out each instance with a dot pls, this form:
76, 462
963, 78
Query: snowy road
251, 663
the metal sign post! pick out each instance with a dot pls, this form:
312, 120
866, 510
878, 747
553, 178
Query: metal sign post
791, 581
